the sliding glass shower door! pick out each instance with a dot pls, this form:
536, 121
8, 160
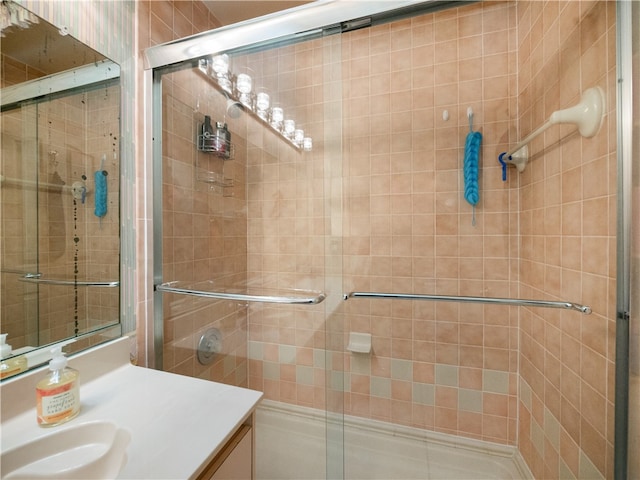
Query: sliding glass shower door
19, 204
248, 229
60, 253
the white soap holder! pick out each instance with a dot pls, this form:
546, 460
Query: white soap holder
359, 342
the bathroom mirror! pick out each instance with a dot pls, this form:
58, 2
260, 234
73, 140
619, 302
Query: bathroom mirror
59, 189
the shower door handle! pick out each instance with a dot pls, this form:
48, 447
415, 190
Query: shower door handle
37, 278
467, 299
299, 298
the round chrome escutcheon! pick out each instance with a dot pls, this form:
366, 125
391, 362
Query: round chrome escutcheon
210, 344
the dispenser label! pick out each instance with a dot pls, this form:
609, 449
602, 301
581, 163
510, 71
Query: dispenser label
57, 403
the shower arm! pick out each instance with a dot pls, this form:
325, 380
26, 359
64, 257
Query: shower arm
466, 299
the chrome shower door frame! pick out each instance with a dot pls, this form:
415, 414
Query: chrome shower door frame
627, 294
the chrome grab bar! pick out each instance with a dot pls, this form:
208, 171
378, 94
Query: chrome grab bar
466, 299
36, 278
302, 297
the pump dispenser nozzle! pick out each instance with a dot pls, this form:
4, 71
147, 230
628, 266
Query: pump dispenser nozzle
5, 348
58, 360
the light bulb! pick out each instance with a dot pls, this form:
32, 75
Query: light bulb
220, 65
262, 101
307, 144
289, 127
277, 115
244, 83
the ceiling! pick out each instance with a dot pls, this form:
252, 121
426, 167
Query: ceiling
234, 11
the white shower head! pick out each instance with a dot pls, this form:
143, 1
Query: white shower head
234, 108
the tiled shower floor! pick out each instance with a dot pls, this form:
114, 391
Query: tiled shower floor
290, 444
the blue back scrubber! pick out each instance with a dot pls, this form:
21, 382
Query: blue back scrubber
472, 167
101, 193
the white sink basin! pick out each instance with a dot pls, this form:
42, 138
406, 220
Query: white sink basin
92, 450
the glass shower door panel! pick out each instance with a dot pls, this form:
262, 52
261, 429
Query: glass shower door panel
203, 233
259, 214
19, 228
60, 220
78, 237
56, 250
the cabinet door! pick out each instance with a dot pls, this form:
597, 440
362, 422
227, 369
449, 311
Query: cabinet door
235, 461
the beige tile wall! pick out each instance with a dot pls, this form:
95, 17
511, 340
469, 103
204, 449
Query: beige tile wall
568, 244
40, 227
446, 367
157, 22
19, 317
204, 231
68, 230
289, 224
15, 71
109, 28
204, 225
443, 367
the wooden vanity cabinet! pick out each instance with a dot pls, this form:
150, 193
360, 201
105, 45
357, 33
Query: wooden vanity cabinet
235, 460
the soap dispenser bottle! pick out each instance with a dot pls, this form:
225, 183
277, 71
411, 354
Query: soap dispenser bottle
13, 365
58, 394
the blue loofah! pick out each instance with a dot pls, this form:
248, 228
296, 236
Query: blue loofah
101, 193
471, 167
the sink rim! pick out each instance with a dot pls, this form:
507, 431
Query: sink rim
97, 447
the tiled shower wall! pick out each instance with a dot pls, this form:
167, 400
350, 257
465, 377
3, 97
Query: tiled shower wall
41, 228
108, 28
157, 22
406, 227
58, 142
568, 241
203, 231
203, 224
78, 135
19, 318
454, 368
445, 367
291, 221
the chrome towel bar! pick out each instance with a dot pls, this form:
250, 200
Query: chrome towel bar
465, 299
36, 278
295, 297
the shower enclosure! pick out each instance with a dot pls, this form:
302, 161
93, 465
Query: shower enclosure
311, 238
60, 262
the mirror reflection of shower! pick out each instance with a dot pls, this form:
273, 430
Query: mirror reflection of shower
60, 258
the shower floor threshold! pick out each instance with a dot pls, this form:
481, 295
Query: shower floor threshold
295, 442
210, 289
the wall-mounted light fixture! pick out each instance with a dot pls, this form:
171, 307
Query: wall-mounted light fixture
240, 89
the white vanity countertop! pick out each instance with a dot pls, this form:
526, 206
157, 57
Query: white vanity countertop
177, 423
